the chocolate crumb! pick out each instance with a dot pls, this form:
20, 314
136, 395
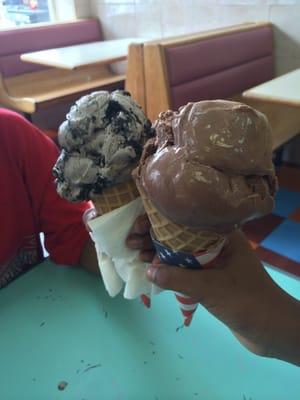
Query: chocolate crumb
179, 328
92, 366
62, 385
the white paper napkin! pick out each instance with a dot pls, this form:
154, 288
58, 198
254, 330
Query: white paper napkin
120, 266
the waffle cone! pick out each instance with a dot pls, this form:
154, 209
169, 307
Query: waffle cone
175, 236
114, 197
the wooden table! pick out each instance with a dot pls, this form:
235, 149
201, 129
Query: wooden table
59, 325
76, 70
71, 57
282, 90
279, 99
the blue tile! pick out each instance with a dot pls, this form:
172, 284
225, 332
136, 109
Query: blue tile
285, 240
286, 202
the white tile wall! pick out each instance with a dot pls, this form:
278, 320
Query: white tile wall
202, 16
119, 1
148, 19
161, 18
64, 10
237, 13
174, 19
287, 20
117, 19
83, 8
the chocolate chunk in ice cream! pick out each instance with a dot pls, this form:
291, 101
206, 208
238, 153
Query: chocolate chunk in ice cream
102, 140
210, 165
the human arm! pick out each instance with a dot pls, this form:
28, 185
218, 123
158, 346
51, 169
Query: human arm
238, 291
30, 158
65, 233
88, 257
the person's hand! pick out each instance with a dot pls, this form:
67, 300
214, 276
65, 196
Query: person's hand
88, 215
239, 292
229, 290
139, 238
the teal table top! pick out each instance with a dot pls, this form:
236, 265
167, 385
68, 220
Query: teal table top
59, 326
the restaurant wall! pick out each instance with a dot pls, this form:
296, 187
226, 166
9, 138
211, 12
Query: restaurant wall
157, 18
82, 8
162, 18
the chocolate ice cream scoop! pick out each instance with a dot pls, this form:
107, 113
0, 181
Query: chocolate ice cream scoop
102, 140
210, 165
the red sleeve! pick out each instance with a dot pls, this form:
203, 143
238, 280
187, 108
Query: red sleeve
61, 222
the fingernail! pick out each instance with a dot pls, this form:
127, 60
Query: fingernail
151, 273
88, 215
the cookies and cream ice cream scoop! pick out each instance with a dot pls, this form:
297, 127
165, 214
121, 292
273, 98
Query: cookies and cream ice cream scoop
102, 140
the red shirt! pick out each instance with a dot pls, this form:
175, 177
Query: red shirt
29, 203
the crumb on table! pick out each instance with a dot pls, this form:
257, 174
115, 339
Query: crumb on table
62, 385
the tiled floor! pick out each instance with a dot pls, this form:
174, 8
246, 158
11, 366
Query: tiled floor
276, 237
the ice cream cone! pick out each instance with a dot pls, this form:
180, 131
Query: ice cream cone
208, 166
114, 197
180, 245
175, 236
101, 141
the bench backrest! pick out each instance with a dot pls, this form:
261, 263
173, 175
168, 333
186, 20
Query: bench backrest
14, 42
210, 65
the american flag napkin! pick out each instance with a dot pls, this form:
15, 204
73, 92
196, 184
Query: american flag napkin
201, 260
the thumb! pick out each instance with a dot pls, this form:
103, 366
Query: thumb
194, 283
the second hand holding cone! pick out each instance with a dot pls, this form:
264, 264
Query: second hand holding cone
102, 140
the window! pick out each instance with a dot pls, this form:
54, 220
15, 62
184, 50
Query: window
14, 13
24, 12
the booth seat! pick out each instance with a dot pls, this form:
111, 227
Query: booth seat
42, 93
217, 64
